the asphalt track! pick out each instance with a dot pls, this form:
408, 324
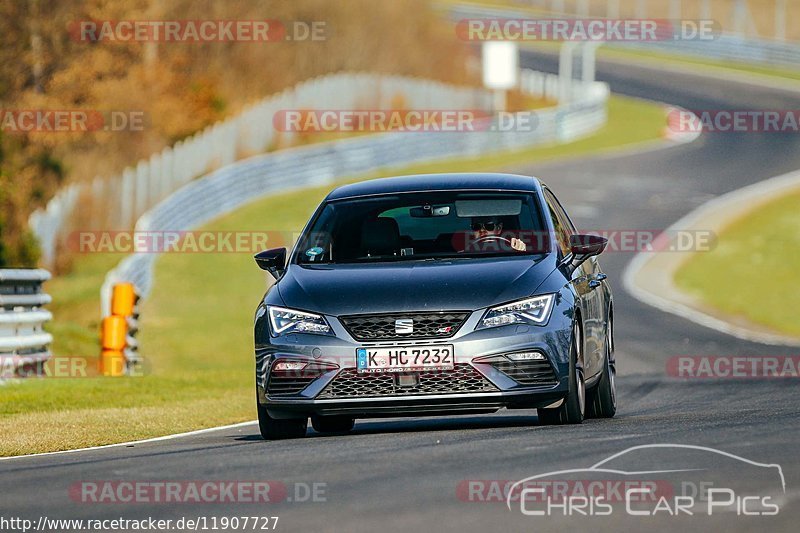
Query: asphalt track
403, 475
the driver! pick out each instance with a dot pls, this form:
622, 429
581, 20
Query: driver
483, 227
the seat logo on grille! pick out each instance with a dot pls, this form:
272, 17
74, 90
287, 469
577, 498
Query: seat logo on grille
403, 326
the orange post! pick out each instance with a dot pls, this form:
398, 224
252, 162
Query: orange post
123, 300
112, 363
115, 329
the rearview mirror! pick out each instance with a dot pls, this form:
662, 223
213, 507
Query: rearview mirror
585, 246
429, 211
273, 261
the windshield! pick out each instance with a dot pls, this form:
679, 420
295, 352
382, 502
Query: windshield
416, 226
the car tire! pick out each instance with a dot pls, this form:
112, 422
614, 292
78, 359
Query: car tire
277, 429
603, 399
332, 424
571, 410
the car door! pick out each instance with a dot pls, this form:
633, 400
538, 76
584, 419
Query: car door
585, 280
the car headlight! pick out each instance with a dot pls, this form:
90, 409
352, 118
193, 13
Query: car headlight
529, 311
285, 321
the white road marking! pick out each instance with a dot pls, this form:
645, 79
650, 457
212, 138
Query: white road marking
134, 442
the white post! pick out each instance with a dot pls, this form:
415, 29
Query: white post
780, 20
154, 187
675, 9
612, 9
115, 203
127, 198
705, 9
588, 60
565, 72
141, 193
166, 173
641, 9
98, 199
499, 100
740, 17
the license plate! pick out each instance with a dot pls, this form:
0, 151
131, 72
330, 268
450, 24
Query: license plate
404, 359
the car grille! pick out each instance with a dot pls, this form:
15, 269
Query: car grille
534, 372
462, 379
291, 382
426, 325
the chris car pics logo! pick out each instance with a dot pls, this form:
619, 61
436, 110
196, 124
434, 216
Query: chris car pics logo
657, 480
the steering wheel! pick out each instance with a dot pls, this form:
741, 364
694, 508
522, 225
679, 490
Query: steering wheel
484, 239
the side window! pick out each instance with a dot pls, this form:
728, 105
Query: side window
565, 220
562, 231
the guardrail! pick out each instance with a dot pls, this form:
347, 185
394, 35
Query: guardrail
23, 341
119, 201
228, 188
737, 15
739, 45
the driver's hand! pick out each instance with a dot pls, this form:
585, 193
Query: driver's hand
518, 245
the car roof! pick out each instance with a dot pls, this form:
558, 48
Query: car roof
437, 182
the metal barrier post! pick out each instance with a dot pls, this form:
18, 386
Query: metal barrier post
23, 341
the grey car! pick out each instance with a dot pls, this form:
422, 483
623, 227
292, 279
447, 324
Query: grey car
435, 294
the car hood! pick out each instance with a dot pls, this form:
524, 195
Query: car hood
443, 285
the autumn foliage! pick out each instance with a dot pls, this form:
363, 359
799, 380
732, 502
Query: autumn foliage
178, 87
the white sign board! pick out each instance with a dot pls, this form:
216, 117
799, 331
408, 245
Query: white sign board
500, 64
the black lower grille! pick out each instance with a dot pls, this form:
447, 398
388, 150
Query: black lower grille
291, 382
462, 379
531, 372
423, 325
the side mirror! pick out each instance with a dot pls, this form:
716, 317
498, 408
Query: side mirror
585, 246
273, 261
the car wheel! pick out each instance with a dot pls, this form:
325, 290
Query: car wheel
332, 424
275, 429
603, 399
571, 410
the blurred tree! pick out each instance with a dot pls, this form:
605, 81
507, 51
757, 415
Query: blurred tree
181, 87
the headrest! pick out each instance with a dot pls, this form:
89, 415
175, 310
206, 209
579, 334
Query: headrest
380, 236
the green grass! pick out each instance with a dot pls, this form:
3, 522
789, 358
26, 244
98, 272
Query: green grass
752, 272
196, 332
702, 64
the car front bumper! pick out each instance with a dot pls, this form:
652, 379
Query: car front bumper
471, 348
